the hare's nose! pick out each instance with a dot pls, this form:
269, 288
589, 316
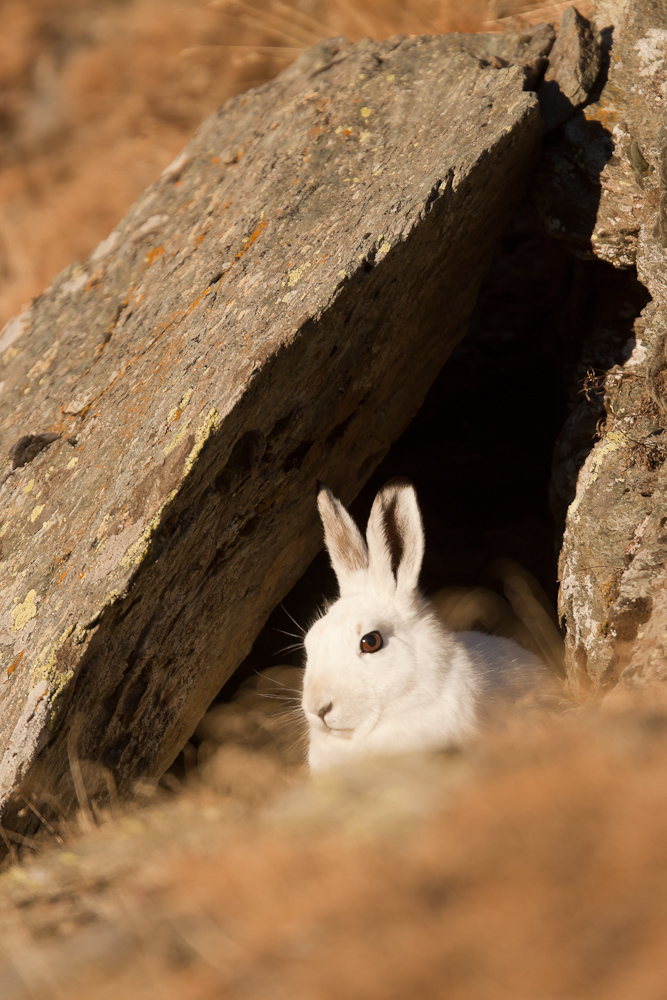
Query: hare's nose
324, 711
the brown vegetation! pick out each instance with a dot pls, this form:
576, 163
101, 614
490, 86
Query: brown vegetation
97, 98
533, 867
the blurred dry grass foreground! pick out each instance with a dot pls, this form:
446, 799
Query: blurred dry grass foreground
533, 868
97, 98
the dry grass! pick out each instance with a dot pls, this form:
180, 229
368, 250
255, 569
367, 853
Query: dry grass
97, 98
535, 867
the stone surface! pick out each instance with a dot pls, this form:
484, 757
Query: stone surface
574, 66
270, 312
591, 184
528, 49
613, 598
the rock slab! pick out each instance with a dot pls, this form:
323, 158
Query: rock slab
613, 598
574, 66
270, 312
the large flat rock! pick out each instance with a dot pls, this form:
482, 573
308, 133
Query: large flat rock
613, 598
270, 312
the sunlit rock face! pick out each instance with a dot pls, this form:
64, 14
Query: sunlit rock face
271, 311
613, 600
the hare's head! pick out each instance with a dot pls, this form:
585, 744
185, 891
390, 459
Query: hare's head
366, 655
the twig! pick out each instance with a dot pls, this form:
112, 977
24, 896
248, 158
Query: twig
79, 786
42, 819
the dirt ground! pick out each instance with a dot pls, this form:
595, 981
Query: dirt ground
97, 98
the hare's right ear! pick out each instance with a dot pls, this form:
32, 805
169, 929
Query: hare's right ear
347, 549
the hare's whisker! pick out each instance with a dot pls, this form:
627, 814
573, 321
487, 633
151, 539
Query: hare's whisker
301, 629
283, 632
289, 649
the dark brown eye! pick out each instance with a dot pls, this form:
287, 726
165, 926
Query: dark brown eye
371, 642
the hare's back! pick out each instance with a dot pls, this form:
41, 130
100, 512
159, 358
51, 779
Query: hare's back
502, 665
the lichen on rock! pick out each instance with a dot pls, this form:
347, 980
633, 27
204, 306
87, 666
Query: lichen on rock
272, 310
612, 565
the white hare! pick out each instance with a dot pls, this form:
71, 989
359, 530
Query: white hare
383, 673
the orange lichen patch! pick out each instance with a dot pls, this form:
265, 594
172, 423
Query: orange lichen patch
153, 255
606, 113
251, 240
12, 666
95, 279
197, 301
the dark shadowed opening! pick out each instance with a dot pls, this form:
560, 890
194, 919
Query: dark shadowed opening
495, 449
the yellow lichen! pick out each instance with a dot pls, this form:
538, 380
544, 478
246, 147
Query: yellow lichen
178, 410
138, 549
612, 442
23, 613
366, 112
45, 669
296, 273
36, 512
27, 489
72, 462
111, 598
202, 434
176, 439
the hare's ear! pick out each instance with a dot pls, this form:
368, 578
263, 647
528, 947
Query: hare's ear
395, 536
347, 549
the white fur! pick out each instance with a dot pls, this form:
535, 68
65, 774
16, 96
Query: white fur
427, 687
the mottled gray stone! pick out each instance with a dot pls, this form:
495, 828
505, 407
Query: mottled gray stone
528, 49
270, 312
574, 66
613, 598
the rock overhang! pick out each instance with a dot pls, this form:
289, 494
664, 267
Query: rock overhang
244, 329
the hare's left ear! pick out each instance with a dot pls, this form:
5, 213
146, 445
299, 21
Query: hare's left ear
395, 537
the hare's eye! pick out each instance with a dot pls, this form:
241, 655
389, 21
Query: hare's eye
371, 642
